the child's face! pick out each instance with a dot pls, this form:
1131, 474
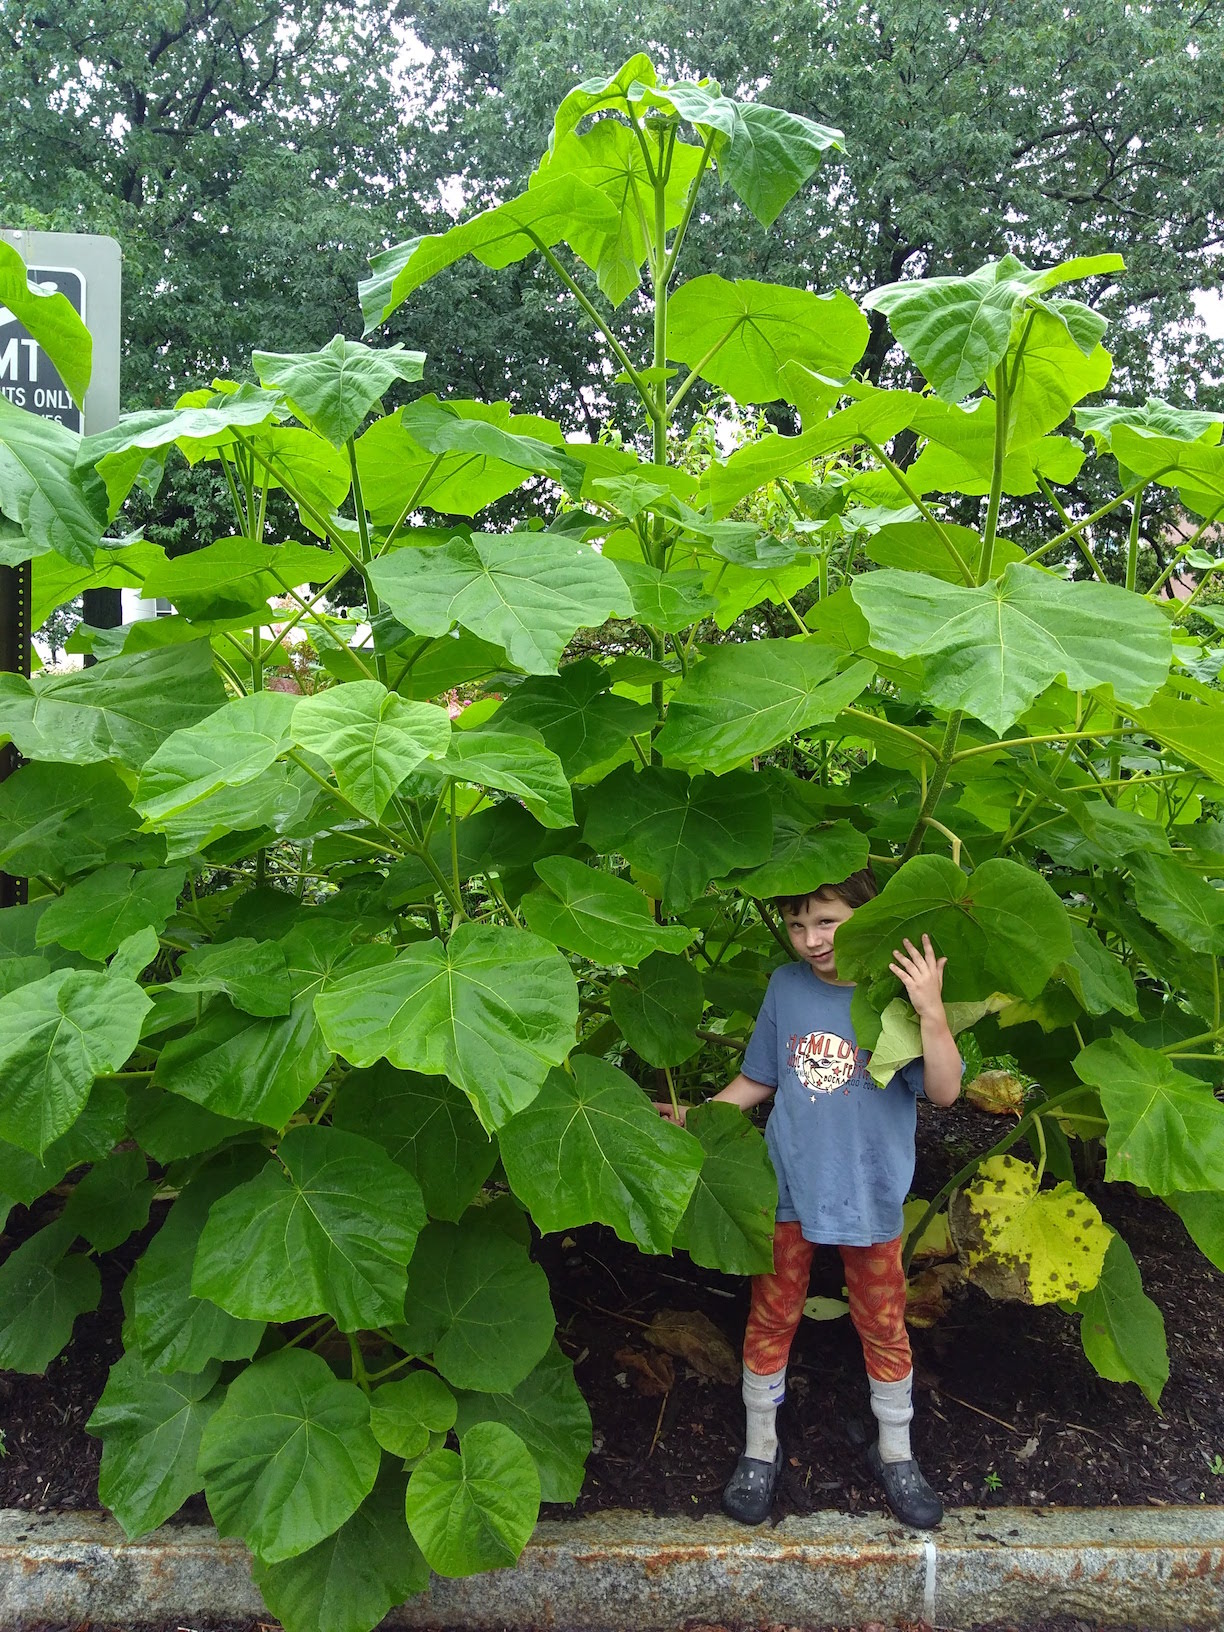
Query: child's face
812, 928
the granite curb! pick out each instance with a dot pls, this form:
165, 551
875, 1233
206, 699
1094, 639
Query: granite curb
1158, 1568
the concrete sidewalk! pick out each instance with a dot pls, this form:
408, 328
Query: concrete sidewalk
1161, 1569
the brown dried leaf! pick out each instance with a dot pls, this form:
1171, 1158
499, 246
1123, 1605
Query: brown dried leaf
926, 1296
653, 1374
998, 1092
695, 1339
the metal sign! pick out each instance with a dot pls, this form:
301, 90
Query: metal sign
28, 377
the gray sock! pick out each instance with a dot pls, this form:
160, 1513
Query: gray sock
892, 1404
762, 1397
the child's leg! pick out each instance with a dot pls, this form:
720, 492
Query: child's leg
777, 1308
875, 1284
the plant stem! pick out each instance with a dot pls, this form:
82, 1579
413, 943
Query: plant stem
373, 604
945, 538
935, 785
1077, 532
592, 311
1089, 521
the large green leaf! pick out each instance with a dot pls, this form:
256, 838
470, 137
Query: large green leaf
326, 1228
683, 831
56, 1035
497, 237
959, 452
957, 329
492, 1009
1098, 978
370, 737
426, 1125
475, 1510
270, 803
57, 507
1156, 416
50, 318
729, 1224
517, 765
111, 1202
575, 713
991, 650
405, 1413
399, 475
878, 416
668, 601
228, 749
477, 1304
805, 856
591, 912
24, 1177
1195, 469
745, 698
1201, 1213
1122, 1330
1178, 901
609, 158
550, 1416
117, 565
738, 335
448, 428
1192, 729
1002, 928
1166, 1129
106, 907
171, 1328
289, 1455
252, 974
121, 709
236, 576
591, 1149
150, 1426
333, 389
658, 1008
43, 1288
527, 592
60, 820
349, 1581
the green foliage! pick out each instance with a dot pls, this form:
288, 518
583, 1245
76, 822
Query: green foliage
370, 940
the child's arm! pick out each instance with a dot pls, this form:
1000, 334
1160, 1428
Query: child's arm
921, 973
741, 1091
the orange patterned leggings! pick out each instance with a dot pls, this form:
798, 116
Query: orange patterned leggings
876, 1289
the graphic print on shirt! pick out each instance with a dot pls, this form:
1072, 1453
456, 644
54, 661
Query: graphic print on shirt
822, 1060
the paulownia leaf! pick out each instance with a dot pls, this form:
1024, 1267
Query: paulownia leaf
1098, 978
517, 765
957, 330
447, 428
370, 737
667, 601
1166, 1129
236, 575
426, 1125
23, 1177
658, 1008
475, 1510
49, 317
1031, 1245
580, 720
334, 388
56, 506
230, 748
900, 1039
745, 698
150, 1426
729, 1224
550, 1416
590, 1148
477, 1304
56, 1035
95, 915
1122, 1330
1002, 929
597, 915
60, 820
1178, 901
991, 650
1192, 729
348, 1582
1201, 1213
252, 974
493, 1009
1195, 469
527, 592
288, 1456
43, 1288
497, 237
121, 709
404, 1414
684, 831
112, 1201
326, 1228
739, 335
804, 856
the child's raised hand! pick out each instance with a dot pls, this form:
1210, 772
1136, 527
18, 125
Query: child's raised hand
921, 973
667, 1111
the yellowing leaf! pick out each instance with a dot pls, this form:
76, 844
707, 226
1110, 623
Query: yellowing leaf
998, 1092
1030, 1245
936, 1240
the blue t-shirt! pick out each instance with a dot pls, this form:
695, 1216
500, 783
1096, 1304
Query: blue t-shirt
843, 1148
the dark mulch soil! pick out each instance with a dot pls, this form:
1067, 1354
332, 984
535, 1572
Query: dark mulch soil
1003, 1390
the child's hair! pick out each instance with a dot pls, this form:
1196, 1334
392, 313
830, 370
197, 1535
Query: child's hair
855, 891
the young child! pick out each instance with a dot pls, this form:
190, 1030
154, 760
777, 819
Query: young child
843, 1150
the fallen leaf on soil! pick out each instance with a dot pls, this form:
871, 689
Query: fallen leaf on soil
694, 1337
997, 1092
653, 1374
926, 1296
1028, 1449
826, 1308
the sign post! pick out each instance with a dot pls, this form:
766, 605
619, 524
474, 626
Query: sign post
87, 269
